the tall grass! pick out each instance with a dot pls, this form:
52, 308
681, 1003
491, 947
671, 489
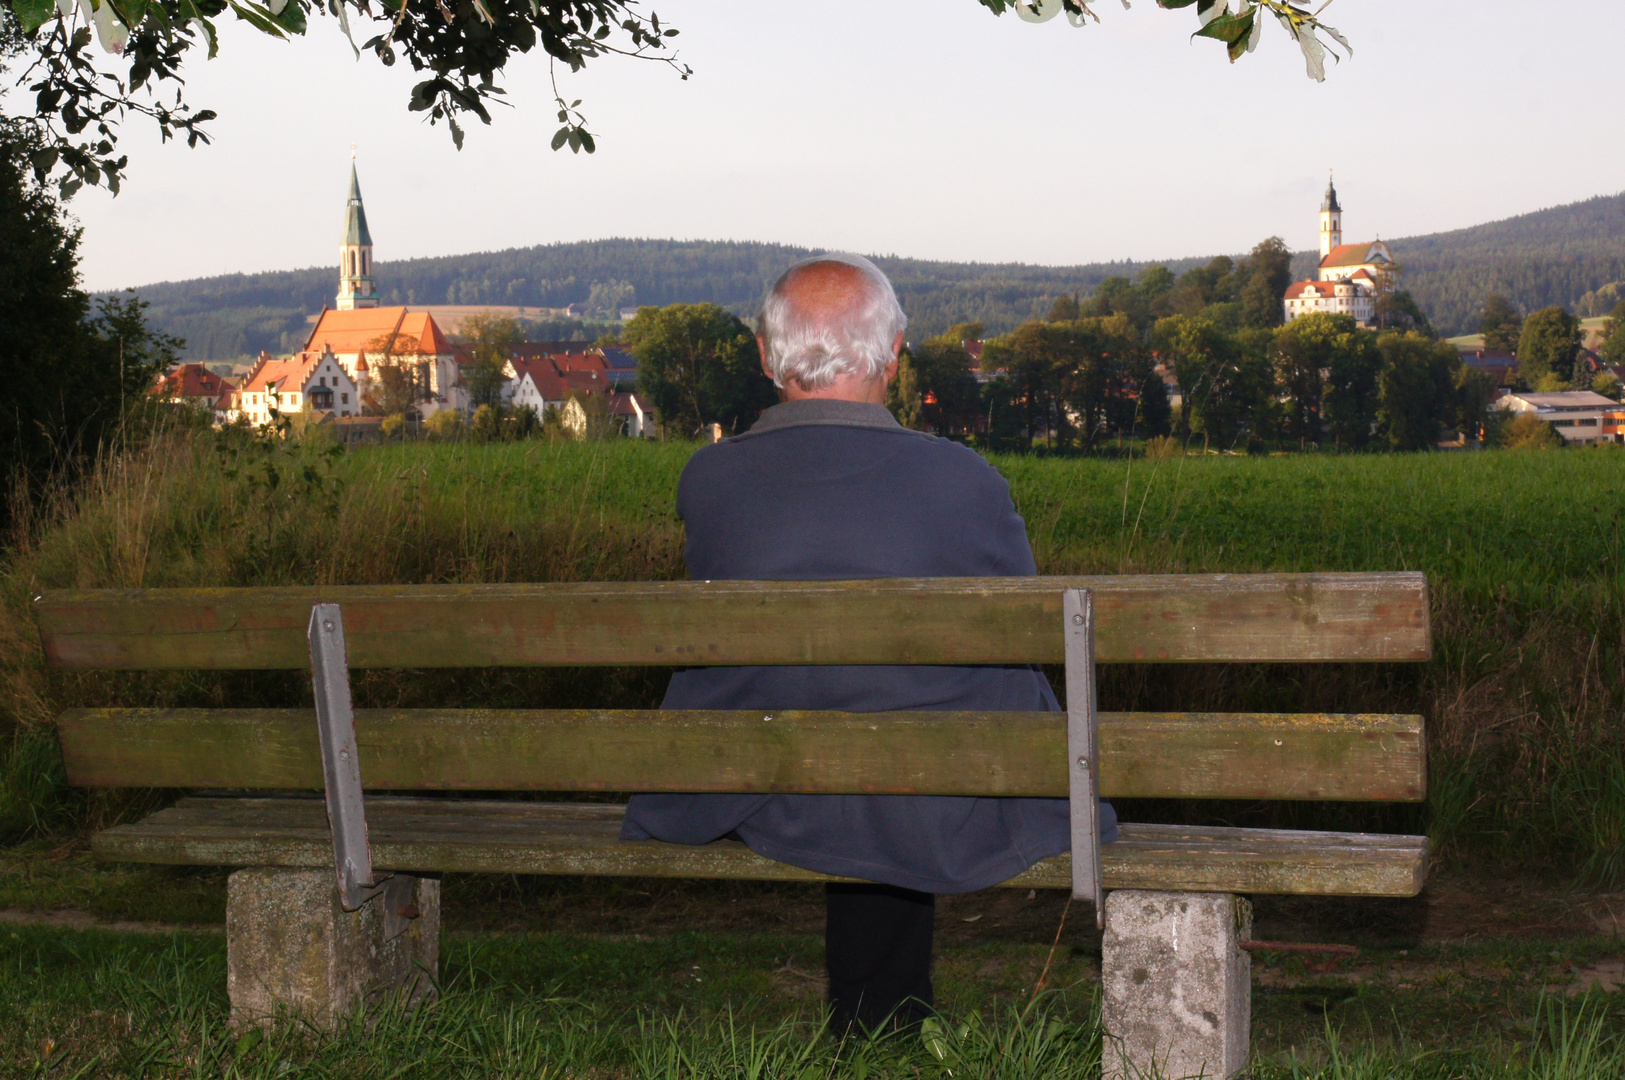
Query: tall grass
1524, 696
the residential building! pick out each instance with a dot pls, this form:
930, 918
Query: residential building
1346, 281
314, 382
1498, 364
1576, 415
196, 385
634, 414
621, 366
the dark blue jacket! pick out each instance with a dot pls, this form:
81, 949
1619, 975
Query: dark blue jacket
835, 490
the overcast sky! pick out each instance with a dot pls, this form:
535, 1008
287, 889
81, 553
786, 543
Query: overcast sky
912, 127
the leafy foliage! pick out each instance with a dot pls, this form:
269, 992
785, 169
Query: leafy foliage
491, 337
69, 371
1239, 30
700, 365
1548, 345
461, 47
1500, 324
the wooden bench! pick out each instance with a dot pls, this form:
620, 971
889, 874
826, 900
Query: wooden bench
1175, 978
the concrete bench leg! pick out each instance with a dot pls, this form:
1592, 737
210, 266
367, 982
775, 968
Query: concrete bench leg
290, 947
1177, 985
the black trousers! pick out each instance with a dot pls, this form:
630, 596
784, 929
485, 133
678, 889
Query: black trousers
877, 950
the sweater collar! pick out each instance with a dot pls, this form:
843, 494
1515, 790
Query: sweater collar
823, 411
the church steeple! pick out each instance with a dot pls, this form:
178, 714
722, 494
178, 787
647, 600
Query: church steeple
1331, 220
356, 286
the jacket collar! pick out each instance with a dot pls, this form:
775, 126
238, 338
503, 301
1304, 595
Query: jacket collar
823, 411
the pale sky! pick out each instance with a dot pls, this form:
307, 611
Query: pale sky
926, 128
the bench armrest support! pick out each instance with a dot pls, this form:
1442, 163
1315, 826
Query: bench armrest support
1082, 747
341, 764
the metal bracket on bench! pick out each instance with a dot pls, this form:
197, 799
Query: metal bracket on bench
1082, 747
341, 765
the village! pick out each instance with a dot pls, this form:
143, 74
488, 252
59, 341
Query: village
369, 372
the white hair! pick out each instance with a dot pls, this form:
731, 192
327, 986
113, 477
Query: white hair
816, 348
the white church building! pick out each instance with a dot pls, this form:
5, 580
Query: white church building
1345, 283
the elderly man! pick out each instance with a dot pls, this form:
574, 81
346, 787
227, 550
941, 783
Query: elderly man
828, 486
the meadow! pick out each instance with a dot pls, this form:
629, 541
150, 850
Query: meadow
1524, 698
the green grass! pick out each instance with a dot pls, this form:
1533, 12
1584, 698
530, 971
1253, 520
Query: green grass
94, 1004
1524, 698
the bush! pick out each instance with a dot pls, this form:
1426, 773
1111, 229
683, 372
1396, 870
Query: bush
486, 426
1527, 431
444, 424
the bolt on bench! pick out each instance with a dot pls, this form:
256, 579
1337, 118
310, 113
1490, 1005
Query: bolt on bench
1175, 978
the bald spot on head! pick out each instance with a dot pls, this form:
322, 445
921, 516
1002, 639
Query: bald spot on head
825, 291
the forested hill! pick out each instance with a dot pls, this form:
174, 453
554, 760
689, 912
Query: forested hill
1552, 256
238, 314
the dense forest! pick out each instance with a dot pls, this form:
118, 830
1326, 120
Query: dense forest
1553, 256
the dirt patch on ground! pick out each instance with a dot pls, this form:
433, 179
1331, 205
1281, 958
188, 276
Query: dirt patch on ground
84, 920
1454, 908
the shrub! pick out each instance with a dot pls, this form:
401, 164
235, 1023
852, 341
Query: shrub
444, 424
1527, 431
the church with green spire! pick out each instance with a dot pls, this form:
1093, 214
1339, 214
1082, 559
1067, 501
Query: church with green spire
357, 289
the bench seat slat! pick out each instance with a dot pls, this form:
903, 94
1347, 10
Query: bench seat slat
443, 835
1147, 755
1140, 618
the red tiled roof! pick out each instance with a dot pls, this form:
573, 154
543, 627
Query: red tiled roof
1298, 288
378, 330
1348, 255
191, 380
274, 373
542, 374
585, 383
573, 362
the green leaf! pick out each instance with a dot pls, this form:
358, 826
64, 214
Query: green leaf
257, 17
33, 14
292, 18
133, 11
1230, 29
1172, 4
559, 136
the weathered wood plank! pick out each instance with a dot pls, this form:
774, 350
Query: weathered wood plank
1141, 618
1218, 756
433, 835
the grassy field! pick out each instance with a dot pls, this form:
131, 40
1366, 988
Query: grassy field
1524, 698
701, 1005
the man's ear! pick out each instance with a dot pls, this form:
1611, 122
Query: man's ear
761, 351
897, 345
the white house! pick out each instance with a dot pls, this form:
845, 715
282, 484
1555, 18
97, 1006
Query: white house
637, 419
306, 381
1577, 415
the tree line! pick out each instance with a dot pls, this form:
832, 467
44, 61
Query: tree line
1096, 368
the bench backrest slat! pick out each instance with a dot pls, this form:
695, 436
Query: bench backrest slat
1140, 619
1245, 756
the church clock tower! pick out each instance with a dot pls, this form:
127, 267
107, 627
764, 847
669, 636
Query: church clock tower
356, 286
1331, 221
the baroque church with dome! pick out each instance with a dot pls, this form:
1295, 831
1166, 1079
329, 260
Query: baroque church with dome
1348, 276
